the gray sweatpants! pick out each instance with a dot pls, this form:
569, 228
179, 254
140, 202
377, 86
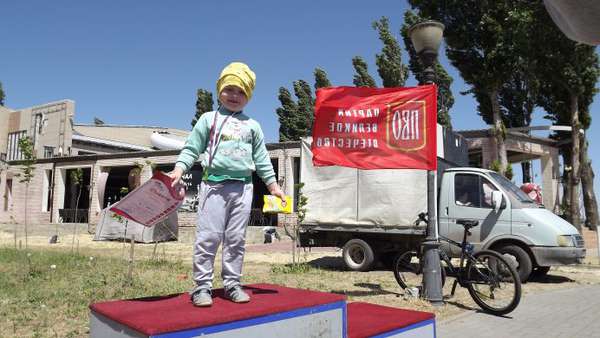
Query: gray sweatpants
223, 215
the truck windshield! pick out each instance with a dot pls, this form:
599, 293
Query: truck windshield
510, 188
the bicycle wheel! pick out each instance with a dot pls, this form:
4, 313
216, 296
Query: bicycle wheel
493, 282
407, 269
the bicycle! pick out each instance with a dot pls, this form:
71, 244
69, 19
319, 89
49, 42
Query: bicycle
491, 280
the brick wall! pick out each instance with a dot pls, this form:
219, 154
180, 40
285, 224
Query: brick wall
33, 201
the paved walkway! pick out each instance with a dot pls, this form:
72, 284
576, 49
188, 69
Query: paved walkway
561, 313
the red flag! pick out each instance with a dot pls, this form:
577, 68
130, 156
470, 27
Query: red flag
376, 128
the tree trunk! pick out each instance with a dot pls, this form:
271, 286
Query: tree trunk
526, 168
26, 198
587, 185
499, 131
565, 152
75, 232
575, 167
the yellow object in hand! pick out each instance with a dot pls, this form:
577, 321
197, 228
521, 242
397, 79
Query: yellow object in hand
273, 204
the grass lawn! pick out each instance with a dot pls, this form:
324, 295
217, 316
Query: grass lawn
47, 293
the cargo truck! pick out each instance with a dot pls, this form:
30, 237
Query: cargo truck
373, 214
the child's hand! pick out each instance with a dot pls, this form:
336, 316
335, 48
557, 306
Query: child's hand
275, 190
175, 175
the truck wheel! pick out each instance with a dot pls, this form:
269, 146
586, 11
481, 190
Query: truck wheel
515, 253
358, 255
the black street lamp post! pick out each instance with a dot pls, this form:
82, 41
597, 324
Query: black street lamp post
426, 38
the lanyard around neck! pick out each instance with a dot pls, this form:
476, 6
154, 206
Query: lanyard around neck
215, 138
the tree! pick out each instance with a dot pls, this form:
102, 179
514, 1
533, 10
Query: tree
287, 114
77, 180
484, 41
2, 96
362, 77
295, 118
442, 79
569, 72
392, 71
518, 97
306, 107
27, 174
587, 185
204, 103
321, 79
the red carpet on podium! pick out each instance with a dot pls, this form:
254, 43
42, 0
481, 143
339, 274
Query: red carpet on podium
367, 320
156, 315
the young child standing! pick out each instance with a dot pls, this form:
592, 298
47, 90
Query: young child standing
233, 146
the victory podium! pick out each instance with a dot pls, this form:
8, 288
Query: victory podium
274, 311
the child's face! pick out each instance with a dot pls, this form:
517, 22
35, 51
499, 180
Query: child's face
233, 98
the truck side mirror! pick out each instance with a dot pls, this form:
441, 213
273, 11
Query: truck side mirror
498, 200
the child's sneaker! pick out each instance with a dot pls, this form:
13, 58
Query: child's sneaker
237, 295
202, 298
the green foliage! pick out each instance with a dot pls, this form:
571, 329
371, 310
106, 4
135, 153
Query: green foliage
287, 115
295, 118
204, 103
76, 176
117, 217
488, 42
508, 173
389, 63
362, 77
27, 170
566, 69
306, 106
302, 201
495, 166
484, 38
321, 79
294, 268
2, 96
442, 79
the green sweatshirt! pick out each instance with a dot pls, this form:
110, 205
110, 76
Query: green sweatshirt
240, 148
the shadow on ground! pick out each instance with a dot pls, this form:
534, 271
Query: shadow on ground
371, 290
336, 263
550, 279
332, 263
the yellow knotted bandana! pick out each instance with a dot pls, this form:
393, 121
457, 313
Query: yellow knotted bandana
237, 74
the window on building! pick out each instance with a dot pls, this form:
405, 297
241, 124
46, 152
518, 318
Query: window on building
13, 152
48, 152
37, 127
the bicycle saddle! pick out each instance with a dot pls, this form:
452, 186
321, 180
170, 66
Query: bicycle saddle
467, 223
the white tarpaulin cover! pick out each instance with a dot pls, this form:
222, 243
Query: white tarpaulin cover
110, 228
369, 198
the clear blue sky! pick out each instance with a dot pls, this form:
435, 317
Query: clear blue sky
134, 62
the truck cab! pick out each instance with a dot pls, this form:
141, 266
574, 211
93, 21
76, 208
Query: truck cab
509, 221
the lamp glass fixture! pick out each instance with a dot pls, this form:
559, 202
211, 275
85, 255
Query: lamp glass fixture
426, 35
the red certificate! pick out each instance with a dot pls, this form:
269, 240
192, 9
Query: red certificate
151, 202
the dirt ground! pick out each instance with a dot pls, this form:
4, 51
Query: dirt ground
265, 263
